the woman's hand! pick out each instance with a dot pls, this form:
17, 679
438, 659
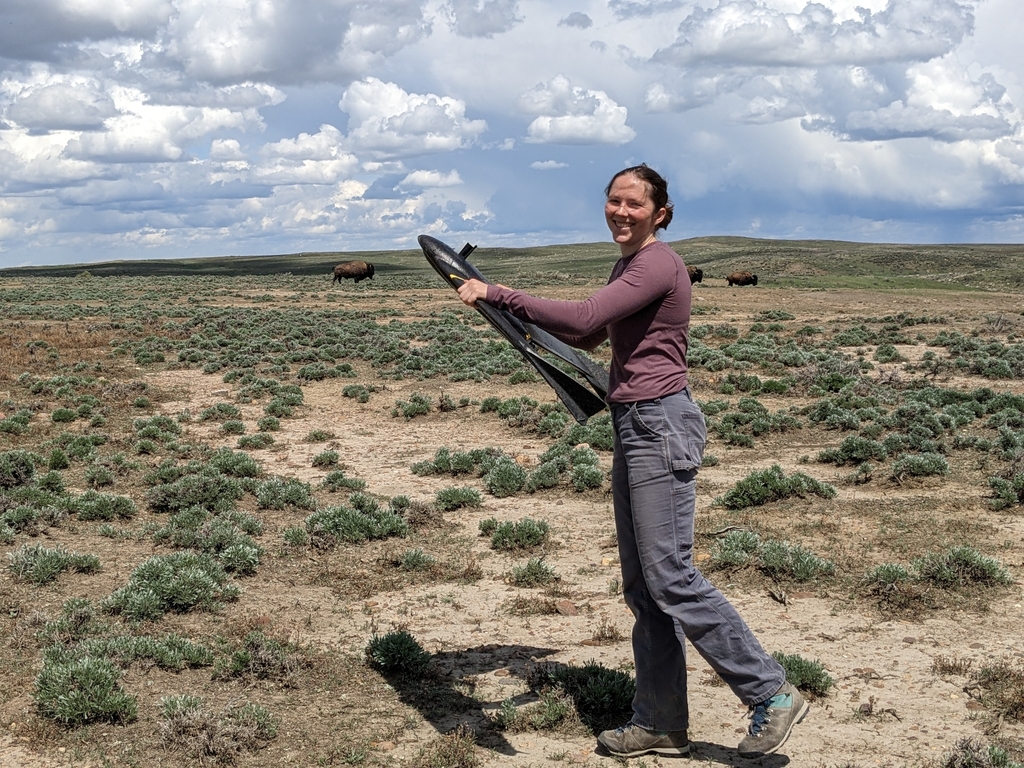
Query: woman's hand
472, 291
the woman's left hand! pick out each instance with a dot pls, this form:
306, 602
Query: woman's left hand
472, 291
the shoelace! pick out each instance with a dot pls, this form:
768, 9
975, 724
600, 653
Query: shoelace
760, 716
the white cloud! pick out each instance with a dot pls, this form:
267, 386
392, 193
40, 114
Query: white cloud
548, 165
573, 115
318, 158
143, 132
284, 41
754, 33
62, 104
386, 121
483, 18
226, 150
431, 179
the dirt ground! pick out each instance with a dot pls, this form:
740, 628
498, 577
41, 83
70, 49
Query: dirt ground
888, 708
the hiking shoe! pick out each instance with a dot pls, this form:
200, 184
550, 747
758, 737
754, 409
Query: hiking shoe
771, 722
632, 740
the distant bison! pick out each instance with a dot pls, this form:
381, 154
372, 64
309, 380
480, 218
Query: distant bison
696, 274
741, 278
353, 270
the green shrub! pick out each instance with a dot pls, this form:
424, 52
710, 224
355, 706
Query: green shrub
854, 450
234, 463
1008, 492
278, 493
259, 658
255, 441
534, 573
767, 485
319, 436
337, 481
330, 525
919, 465
220, 412
98, 475
887, 353
415, 560
736, 548
586, 476
206, 488
448, 499
233, 427
326, 459
603, 697
971, 753
783, 560
57, 459
225, 535
181, 582
358, 392
887, 576
268, 424
417, 405
103, 506
505, 478
808, 676
547, 475
17, 468
82, 691
961, 567
295, 536
39, 565
511, 537
63, 416
397, 653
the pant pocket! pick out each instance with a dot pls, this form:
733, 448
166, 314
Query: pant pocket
687, 437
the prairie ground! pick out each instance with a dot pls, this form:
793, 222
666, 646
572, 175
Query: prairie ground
905, 664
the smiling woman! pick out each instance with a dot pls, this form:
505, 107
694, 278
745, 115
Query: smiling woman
644, 311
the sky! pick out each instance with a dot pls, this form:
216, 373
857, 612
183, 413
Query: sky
134, 129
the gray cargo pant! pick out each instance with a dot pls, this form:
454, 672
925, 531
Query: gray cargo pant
658, 449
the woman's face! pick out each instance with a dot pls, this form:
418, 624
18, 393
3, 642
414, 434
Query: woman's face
630, 213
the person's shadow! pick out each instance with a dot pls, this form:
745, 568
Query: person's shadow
440, 699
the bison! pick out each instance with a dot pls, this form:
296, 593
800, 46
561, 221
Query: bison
696, 274
353, 270
741, 278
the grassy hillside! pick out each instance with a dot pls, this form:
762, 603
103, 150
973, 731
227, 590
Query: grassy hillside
793, 263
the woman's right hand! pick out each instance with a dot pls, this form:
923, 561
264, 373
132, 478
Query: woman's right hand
471, 291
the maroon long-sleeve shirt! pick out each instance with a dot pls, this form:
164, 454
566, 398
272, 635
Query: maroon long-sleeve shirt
644, 311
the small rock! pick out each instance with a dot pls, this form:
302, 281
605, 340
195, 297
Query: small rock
567, 608
909, 640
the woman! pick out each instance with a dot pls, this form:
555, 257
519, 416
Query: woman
644, 311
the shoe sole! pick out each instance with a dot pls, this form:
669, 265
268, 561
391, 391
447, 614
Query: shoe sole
804, 709
664, 751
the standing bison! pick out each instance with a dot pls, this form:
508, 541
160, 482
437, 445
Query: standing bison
353, 270
741, 278
696, 274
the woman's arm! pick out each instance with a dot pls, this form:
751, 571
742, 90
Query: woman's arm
472, 291
648, 276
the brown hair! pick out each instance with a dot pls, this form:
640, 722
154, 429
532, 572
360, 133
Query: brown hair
655, 183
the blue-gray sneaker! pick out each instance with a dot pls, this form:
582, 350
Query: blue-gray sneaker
771, 722
632, 740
